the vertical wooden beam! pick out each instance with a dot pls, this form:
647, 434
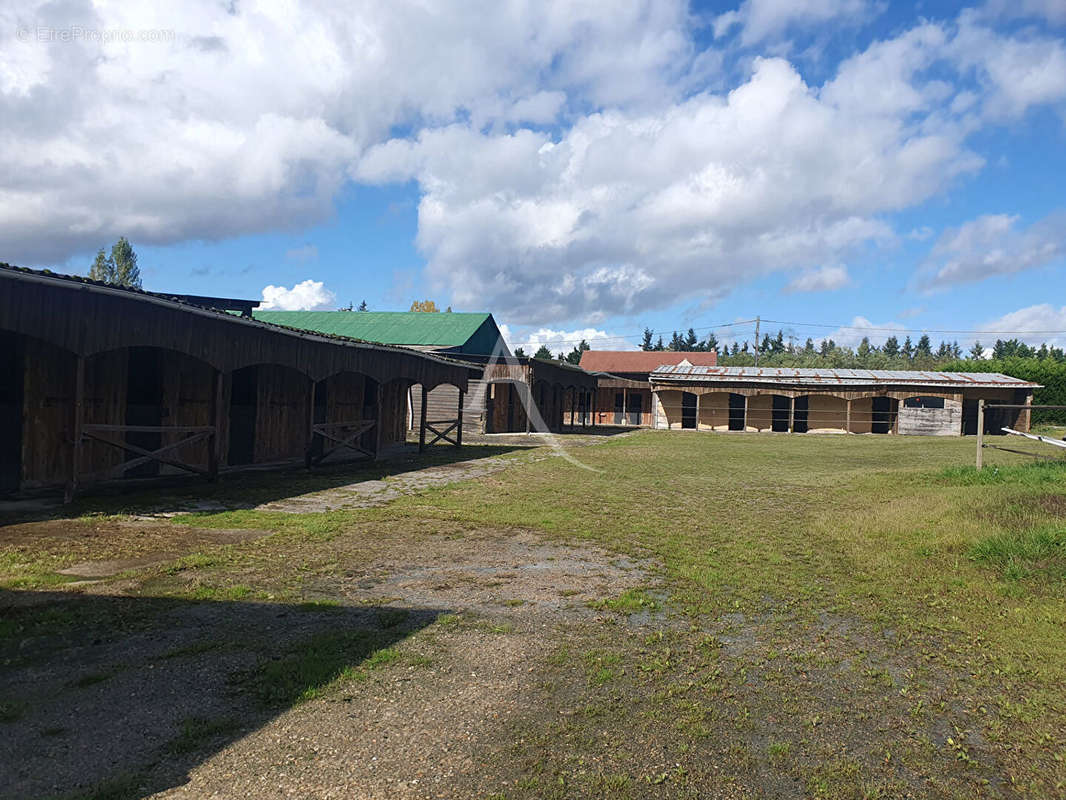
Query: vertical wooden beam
847, 416
459, 428
214, 444
529, 403
625, 405
745, 426
422, 419
380, 420
573, 404
311, 427
980, 433
1027, 414
78, 419
698, 396
791, 414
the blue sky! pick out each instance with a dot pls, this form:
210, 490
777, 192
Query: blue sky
578, 171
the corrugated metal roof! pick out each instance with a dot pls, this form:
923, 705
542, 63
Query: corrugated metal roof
840, 377
416, 328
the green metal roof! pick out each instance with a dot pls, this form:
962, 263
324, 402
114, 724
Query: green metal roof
416, 328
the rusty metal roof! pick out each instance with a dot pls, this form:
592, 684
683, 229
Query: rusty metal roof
840, 377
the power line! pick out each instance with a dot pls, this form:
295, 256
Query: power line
630, 337
906, 330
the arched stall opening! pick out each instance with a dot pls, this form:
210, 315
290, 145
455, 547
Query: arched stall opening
438, 415
269, 412
820, 413
738, 409
345, 418
145, 412
768, 412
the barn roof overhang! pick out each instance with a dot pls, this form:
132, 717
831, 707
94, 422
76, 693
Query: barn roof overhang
829, 379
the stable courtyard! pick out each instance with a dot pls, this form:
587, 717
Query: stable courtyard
656, 614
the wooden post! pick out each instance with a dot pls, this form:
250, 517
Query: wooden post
459, 427
625, 405
573, 405
529, 405
75, 450
1027, 415
214, 444
847, 417
311, 428
377, 423
791, 414
980, 433
698, 411
422, 419
745, 428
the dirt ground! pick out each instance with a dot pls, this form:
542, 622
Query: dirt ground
476, 610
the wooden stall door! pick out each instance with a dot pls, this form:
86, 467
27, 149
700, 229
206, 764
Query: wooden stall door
11, 391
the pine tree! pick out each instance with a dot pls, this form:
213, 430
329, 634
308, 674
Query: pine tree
691, 340
677, 344
519, 352
103, 268
907, 351
891, 347
778, 345
127, 273
808, 347
864, 348
711, 345
646, 342
977, 352
659, 347
574, 356
363, 306
924, 348
543, 353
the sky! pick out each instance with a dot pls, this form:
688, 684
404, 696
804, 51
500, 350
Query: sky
839, 168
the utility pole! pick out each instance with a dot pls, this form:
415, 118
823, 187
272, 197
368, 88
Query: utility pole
758, 320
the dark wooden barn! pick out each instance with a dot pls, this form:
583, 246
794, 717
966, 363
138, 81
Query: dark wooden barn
102, 382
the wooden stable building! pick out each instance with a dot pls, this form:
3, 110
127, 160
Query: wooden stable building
623, 395
836, 400
510, 395
103, 382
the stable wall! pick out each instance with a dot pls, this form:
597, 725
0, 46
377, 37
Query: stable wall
714, 411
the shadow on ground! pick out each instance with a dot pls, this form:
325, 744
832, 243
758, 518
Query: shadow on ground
120, 697
247, 488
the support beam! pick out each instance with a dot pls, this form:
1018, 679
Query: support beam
847, 417
980, 433
76, 432
310, 429
529, 404
625, 405
378, 413
791, 414
214, 444
459, 430
422, 420
745, 426
698, 396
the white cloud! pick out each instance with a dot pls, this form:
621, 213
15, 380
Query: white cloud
250, 117
768, 19
632, 210
1048, 322
307, 295
1017, 72
1054, 11
877, 332
824, 279
563, 341
993, 244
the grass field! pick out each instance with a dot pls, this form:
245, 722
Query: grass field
805, 616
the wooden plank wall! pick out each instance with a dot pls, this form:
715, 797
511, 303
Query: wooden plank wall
282, 414
47, 414
443, 404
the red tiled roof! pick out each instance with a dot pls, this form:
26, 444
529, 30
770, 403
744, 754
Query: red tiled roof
640, 361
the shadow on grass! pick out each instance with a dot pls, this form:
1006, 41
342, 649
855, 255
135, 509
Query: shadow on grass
120, 697
242, 489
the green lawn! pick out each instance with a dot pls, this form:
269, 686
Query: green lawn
827, 616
